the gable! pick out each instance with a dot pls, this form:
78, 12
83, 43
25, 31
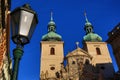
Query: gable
78, 52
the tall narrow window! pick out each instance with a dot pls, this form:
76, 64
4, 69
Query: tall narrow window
52, 51
98, 51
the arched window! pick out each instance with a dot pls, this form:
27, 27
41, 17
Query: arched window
98, 51
52, 51
52, 28
87, 62
87, 30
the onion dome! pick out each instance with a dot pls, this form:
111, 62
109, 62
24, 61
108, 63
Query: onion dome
51, 35
90, 35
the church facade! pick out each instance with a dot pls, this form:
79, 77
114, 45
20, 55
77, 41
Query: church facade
92, 62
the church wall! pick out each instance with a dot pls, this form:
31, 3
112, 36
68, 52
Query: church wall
102, 60
51, 63
104, 57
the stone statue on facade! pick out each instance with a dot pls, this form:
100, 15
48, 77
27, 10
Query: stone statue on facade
42, 76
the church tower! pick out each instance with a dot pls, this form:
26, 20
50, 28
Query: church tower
98, 49
52, 53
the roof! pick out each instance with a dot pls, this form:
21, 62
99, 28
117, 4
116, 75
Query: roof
51, 36
78, 52
92, 37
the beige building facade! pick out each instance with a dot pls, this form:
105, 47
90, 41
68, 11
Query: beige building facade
99, 52
92, 62
51, 57
100, 58
79, 63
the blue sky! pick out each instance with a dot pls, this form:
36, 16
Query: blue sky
69, 18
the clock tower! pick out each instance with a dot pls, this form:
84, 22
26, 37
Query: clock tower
52, 52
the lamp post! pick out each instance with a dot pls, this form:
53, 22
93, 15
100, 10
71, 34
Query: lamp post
23, 21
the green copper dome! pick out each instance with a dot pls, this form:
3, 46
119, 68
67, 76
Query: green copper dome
51, 35
90, 35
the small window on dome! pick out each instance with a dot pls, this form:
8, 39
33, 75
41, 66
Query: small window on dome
52, 28
87, 30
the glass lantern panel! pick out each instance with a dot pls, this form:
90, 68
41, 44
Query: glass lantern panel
25, 22
15, 22
33, 26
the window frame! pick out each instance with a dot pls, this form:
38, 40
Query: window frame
52, 51
98, 51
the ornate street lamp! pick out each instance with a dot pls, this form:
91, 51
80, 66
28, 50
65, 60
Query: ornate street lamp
23, 21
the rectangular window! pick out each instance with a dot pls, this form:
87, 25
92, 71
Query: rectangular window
52, 51
98, 51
